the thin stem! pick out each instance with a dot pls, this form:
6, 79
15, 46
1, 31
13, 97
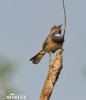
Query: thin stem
64, 16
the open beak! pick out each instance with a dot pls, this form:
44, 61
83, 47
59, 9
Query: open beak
59, 26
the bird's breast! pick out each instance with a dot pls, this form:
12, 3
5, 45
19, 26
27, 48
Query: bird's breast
52, 46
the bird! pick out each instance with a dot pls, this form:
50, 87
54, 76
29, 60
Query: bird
52, 43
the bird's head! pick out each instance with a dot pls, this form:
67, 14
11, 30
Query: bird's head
56, 34
56, 27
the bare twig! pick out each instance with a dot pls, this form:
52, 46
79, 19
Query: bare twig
64, 16
53, 74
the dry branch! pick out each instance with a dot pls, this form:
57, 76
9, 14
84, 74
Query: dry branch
53, 74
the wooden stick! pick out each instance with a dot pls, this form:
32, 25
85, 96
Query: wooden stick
53, 74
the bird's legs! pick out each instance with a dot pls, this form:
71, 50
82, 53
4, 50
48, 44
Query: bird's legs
50, 58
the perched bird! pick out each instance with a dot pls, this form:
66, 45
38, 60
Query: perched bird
53, 42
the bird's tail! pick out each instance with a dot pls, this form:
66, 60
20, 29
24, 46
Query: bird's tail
36, 59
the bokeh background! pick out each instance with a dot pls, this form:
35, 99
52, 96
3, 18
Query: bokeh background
24, 25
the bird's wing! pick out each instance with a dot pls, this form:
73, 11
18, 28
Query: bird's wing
45, 43
47, 39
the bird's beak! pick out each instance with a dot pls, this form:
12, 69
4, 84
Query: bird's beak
59, 26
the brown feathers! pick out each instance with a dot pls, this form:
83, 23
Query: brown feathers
36, 59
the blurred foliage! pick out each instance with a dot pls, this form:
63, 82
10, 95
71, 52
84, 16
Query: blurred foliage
6, 71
